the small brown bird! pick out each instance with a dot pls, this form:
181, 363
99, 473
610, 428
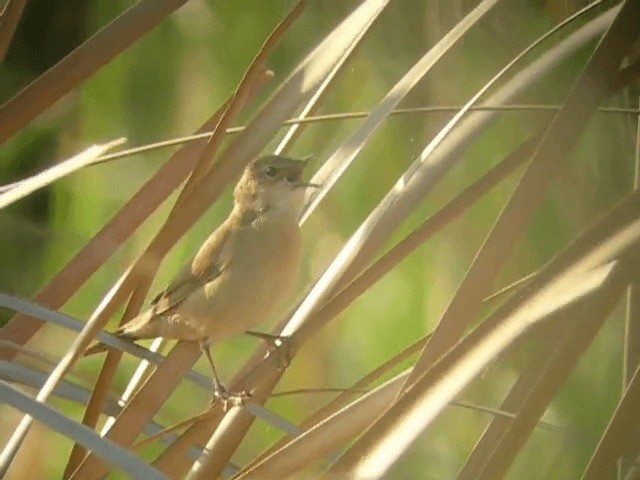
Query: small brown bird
246, 266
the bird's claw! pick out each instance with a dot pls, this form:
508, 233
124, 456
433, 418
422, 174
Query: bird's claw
282, 355
230, 399
277, 345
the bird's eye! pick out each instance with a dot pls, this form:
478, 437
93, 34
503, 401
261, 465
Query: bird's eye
271, 172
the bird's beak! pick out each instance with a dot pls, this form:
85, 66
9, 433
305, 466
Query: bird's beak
306, 184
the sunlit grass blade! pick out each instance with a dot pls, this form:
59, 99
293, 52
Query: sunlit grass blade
343, 157
52, 174
80, 343
113, 454
415, 408
551, 154
586, 271
438, 157
327, 435
82, 62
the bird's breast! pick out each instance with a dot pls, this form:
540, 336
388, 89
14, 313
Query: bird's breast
263, 265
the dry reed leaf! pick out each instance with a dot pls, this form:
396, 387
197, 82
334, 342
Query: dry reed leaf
65, 364
424, 174
456, 207
58, 171
594, 269
513, 402
343, 157
336, 274
343, 399
573, 338
552, 153
374, 453
328, 435
621, 436
116, 456
142, 407
82, 62
9, 18
534, 389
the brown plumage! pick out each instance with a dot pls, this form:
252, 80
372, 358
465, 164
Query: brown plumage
245, 267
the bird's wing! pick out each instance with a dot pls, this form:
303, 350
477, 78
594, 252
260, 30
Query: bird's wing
210, 261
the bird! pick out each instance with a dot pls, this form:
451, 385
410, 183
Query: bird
244, 269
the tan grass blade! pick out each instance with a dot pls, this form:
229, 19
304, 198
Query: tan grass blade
62, 368
377, 450
52, 174
436, 160
240, 98
498, 430
621, 436
592, 259
514, 402
631, 348
116, 456
314, 102
327, 435
570, 341
342, 158
551, 154
456, 207
82, 62
9, 18
143, 406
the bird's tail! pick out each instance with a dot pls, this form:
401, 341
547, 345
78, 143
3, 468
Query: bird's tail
139, 327
143, 326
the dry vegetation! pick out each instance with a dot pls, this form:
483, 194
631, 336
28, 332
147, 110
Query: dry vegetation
503, 137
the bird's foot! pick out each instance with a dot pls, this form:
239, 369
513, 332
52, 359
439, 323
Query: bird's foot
229, 399
278, 345
274, 341
282, 354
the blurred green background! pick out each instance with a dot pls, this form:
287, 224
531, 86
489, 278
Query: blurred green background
169, 83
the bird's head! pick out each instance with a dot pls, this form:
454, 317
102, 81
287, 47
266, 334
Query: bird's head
273, 184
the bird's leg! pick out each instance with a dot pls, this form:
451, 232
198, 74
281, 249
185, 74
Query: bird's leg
219, 391
206, 350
